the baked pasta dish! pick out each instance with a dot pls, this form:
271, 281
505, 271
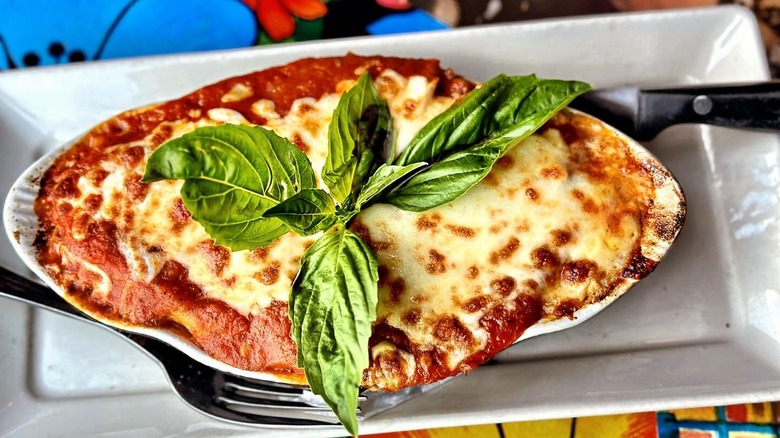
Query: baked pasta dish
572, 214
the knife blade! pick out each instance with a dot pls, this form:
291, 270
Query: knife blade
643, 113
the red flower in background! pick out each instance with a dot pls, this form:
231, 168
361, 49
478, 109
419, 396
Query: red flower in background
399, 5
276, 16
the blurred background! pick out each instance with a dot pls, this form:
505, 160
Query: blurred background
46, 32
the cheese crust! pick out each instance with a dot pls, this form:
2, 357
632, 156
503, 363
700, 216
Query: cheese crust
566, 219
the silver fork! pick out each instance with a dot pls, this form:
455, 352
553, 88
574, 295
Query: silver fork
212, 392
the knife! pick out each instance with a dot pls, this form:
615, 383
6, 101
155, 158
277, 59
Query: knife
643, 113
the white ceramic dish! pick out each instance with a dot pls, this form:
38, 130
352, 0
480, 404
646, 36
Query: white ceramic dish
701, 330
22, 227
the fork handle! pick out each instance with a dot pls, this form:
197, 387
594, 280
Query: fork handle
755, 106
17, 287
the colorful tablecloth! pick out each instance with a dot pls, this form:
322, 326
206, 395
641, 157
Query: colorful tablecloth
759, 420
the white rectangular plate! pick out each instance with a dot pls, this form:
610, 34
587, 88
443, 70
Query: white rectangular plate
702, 330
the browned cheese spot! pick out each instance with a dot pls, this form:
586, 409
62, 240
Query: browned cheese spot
476, 304
93, 202
436, 262
505, 162
544, 258
551, 173
560, 237
270, 274
68, 188
505, 252
385, 85
451, 329
491, 180
99, 176
397, 288
428, 222
497, 227
454, 86
391, 364
217, 256
81, 222
523, 227
304, 108
311, 124
577, 271
587, 204
531, 194
412, 317
503, 286
132, 156
64, 207
566, 308
409, 107
666, 227
460, 231
384, 274
418, 298
180, 216
299, 143
473, 272
613, 222
115, 211
362, 231
135, 188
129, 216
262, 253
639, 266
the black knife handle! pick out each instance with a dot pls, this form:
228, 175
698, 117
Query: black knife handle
754, 106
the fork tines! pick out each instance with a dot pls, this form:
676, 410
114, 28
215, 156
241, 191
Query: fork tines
260, 397
295, 402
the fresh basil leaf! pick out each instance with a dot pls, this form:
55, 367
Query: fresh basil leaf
464, 123
233, 174
500, 106
447, 180
384, 177
333, 305
306, 212
358, 138
531, 103
526, 105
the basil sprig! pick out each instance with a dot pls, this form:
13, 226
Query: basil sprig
462, 143
247, 186
357, 140
332, 308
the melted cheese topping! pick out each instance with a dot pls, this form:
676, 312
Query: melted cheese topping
543, 224
247, 281
529, 222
